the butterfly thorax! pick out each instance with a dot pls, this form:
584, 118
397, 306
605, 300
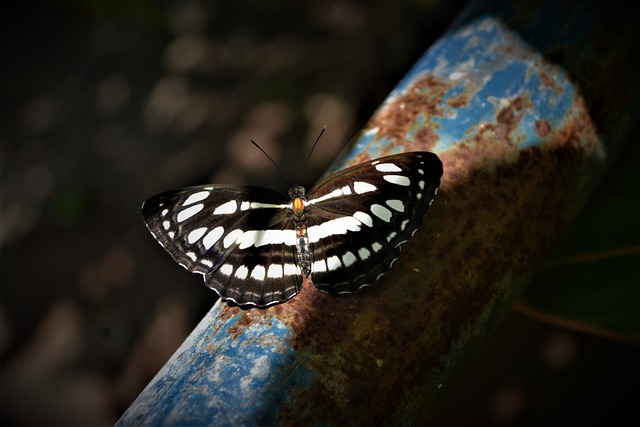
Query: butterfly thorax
298, 210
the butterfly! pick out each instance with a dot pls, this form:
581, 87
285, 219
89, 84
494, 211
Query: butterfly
255, 247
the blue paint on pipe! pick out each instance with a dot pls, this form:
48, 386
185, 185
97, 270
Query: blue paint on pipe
491, 66
223, 373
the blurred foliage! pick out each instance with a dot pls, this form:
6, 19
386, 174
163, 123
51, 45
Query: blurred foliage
590, 281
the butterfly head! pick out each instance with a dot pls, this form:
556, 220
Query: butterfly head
296, 191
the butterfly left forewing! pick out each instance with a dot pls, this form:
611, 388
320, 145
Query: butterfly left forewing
240, 238
198, 225
359, 217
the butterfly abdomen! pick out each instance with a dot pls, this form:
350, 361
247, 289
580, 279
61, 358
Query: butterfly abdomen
303, 246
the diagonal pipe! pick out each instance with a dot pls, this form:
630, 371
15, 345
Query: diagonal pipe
526, 104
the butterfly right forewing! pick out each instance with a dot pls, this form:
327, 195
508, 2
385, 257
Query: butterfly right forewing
359, 217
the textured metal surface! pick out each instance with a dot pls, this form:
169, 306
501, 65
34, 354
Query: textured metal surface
520, 152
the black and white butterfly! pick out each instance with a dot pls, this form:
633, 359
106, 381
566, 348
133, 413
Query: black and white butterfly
255, 247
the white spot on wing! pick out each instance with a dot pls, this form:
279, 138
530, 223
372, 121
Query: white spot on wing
248, 238
319, 266
348, 258
258, 272
189, 212
381, 212
275, 271
259, 238
226, 208
206, 262
362, 187
364, 253
291, 269
420, 171
421, 185
232, 237
332, 227
404, 224
332, 195
191, 256
196, 197
376, 247
166, 225
388, 167
258, 205
164, 212
391, 236
364, 218
196, 234
333, 263
242, 272
212, 237
226, 269
397, 179
244, 206
346, 190
396, 204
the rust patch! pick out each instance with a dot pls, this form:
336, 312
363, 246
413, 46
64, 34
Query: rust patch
543, 128
229, 312
488, 138
426, 137
548, 79
459, 101
421, 100
508, 119
293, 312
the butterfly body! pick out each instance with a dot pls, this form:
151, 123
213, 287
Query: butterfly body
303, 248
255, 247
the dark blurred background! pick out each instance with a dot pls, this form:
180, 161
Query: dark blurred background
105, 103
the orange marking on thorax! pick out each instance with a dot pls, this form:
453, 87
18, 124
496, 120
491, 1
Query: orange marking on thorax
298, 206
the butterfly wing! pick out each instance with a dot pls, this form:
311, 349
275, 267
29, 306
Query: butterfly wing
240, 238
358, 218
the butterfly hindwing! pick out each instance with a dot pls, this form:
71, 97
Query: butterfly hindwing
341, 268
259, 277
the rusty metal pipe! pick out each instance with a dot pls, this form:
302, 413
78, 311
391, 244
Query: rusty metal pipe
521, 151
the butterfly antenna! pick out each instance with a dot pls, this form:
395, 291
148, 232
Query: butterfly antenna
310, 153
269, 157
